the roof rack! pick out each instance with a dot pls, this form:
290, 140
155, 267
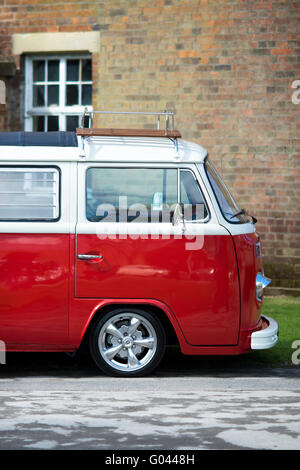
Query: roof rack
168, 131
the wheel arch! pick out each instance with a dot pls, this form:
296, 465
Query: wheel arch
172, 330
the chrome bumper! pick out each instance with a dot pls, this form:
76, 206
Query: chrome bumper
267, 338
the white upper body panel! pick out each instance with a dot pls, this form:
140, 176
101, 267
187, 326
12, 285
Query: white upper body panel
110, 149
117, 150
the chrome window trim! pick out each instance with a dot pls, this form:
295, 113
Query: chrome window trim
207, 218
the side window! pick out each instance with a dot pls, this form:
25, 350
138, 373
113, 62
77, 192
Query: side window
29, 194
131, 194
191, 196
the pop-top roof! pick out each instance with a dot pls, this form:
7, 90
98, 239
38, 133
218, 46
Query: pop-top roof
69, 139
104, 145
39, 139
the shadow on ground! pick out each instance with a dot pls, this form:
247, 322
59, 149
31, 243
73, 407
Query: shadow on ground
174, 364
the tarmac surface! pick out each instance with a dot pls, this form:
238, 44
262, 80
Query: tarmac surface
52, 401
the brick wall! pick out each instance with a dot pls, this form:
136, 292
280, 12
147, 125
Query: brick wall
226, 68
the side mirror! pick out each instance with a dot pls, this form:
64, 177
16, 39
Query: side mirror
178, 217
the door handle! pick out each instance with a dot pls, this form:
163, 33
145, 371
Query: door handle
90, 257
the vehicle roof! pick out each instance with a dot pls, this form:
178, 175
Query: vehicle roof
66, 146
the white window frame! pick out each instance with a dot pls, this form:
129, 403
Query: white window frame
62, 111
2, 92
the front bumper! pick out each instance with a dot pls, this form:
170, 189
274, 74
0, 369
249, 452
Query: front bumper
266, 338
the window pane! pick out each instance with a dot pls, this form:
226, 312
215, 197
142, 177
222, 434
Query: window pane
53, 70
191, 197
28, 194
39, 123
53, 95
72, 70
38, 70
153, 190
227, 204
72, 95
72, 123
38, 95
52, 123
86, 70
86, 122
86, 94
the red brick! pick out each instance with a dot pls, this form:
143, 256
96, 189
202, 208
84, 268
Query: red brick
225, 67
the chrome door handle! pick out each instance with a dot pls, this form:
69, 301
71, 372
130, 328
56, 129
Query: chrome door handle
89, 257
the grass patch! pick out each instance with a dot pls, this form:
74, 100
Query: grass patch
286, 311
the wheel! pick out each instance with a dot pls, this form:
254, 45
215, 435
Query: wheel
127, 342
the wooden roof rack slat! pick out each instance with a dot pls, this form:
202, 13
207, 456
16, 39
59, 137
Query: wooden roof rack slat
168, 131
85, 132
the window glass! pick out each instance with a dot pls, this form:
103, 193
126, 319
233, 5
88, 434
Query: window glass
39, 123
53, 70
86, 97
86, 70
131, 194
191, 197
72, 95
72, 70
52, 123
38, 95
79, 77
45, 123
53, 95
39, 70
29, 193
72, 122
228, 205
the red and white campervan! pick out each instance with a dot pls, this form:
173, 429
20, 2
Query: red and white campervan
128, 238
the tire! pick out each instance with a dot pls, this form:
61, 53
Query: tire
127, 342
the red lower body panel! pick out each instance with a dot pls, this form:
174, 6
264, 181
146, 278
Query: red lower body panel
199, 291
34, 290
200, 287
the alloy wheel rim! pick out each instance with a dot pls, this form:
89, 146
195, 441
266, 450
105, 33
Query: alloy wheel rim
127, 342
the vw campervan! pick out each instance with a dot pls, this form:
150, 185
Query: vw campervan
129, 238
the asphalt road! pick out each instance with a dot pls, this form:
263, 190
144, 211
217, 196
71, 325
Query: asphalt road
52, 401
